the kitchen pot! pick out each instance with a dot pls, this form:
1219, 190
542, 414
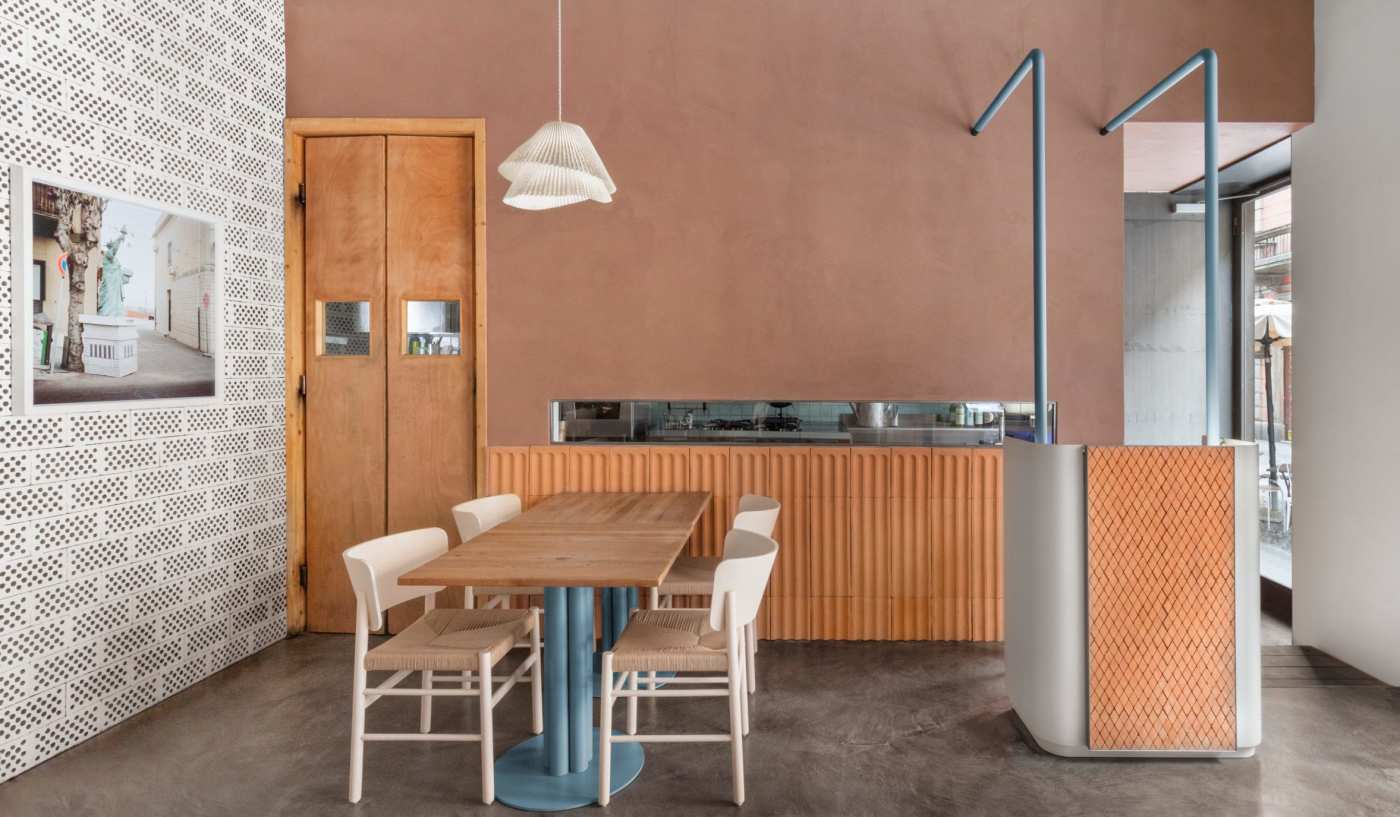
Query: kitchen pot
875, 415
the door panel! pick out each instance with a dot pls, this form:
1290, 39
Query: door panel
345, 447
431, 464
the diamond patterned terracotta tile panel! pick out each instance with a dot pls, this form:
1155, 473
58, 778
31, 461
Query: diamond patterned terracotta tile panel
1161, 598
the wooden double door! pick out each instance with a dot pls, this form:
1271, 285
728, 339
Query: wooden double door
389, 352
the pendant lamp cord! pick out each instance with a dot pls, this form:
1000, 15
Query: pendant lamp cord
559, 59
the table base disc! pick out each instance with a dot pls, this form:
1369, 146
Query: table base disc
523, 783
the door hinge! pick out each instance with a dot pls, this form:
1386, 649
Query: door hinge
301, 194
301, 387
301, 575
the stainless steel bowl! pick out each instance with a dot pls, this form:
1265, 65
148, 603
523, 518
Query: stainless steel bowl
875, 415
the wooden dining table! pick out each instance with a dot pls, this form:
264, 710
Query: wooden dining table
570, 544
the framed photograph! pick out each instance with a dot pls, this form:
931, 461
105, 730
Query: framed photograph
116, 299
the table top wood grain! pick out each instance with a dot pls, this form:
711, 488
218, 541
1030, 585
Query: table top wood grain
575, 540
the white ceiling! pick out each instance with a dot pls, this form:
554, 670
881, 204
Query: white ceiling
1161, 156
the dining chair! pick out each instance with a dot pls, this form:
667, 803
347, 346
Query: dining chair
475, 517
442, 645
705, 641
693, 575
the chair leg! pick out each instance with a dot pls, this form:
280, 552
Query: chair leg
632, 703
536, 679
425, 706
605, 705
468, 598
744, 695
751, 647
736, 726
653, 603
357, 736
488, 738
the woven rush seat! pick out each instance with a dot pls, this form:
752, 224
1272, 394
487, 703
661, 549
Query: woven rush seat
670, 641
449, 640
691, 576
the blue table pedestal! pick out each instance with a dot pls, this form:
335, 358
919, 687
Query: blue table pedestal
557, 770
521, 781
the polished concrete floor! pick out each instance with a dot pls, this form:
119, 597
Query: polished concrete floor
839, 729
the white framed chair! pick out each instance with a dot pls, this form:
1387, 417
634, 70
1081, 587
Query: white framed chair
706, 641
694, 575
443, 645
476, 516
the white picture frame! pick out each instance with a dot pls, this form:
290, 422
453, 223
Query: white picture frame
23, 366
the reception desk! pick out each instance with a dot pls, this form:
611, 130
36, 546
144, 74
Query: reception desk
1132, 585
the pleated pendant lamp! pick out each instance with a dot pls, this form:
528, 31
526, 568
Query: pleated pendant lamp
558, 165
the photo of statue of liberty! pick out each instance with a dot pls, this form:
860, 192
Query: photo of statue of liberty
111, 295
125, 296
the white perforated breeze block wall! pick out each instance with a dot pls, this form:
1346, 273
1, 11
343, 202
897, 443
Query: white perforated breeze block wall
142, 550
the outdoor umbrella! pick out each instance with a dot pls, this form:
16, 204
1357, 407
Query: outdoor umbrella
1273, 326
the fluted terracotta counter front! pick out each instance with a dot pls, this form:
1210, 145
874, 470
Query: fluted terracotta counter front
895, 543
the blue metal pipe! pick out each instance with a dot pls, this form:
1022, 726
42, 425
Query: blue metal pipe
580, 678
1034, 62
619, 612
556, 681
605, 628
1213, 312
1006, 91
1206, 57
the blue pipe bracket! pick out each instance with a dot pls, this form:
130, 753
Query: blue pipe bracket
1211, 117
1034, 64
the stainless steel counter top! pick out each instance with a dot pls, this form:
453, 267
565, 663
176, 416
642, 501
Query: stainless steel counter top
920, 437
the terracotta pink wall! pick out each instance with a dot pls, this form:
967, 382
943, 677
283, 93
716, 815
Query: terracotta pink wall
801, 211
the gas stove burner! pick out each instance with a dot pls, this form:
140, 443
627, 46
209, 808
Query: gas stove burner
730, 425
782, 423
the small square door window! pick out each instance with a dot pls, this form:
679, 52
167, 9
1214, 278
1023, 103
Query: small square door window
432, 328
345, 328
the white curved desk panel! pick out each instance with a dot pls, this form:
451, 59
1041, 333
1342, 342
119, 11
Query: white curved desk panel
1047, 662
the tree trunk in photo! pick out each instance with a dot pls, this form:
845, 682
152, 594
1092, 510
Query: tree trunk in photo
78, 234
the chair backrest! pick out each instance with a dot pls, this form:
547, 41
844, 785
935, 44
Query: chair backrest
375, 567
744, 571
477, 516
758, 514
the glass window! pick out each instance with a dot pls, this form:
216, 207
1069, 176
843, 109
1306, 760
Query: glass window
345, 328
432, 328
1273, 379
